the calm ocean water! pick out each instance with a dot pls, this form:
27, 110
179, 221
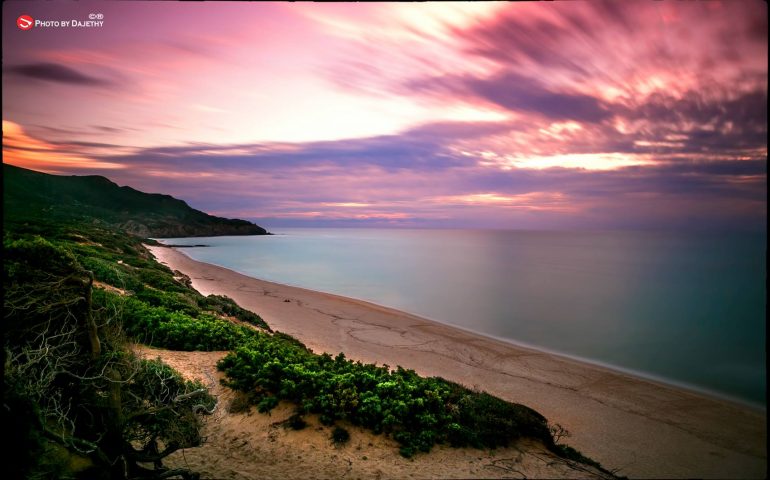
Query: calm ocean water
687, 308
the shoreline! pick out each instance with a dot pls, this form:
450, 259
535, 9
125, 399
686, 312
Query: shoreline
630, 372
642, 427
634, 374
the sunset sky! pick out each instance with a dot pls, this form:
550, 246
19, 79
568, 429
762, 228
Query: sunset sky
489, 115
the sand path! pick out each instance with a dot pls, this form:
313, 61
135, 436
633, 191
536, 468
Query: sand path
641, 428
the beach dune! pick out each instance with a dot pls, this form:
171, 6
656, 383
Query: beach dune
637, 427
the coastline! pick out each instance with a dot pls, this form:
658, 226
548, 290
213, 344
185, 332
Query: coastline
642, 428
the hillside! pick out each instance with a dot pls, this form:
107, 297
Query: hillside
30, 195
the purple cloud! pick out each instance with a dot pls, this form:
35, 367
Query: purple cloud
52, 72
518, 93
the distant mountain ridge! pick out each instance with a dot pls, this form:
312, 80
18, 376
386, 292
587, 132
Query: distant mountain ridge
28, 194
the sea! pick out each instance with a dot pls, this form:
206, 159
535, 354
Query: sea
685, 308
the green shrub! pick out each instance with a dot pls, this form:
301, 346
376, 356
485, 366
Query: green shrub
340, 435
171, 301
296, 422
226, 306
175, 330
240, 403
418, 412
267, 403
565, 451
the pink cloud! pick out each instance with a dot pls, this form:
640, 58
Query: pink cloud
500, 114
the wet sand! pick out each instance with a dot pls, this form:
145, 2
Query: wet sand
640, 428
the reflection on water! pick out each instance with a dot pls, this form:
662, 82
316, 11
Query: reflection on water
686, 307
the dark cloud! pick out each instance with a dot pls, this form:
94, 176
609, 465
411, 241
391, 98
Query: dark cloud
685, 178
514, 92
423, 148
519, 93
714, 192
602, 38
515, 40
418, 161
705, 124
528, 41
696, 122
616, 13
89, 144
747, 111
52, 72
542, 58
106, 129
758, 25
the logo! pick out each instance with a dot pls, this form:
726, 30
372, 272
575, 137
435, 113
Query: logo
25, 22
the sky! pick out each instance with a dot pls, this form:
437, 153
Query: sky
511, 115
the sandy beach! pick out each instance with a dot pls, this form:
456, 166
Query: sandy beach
639, 428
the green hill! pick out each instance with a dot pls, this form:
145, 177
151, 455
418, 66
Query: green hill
30, 195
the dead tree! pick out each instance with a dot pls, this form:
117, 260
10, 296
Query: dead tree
67, 357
